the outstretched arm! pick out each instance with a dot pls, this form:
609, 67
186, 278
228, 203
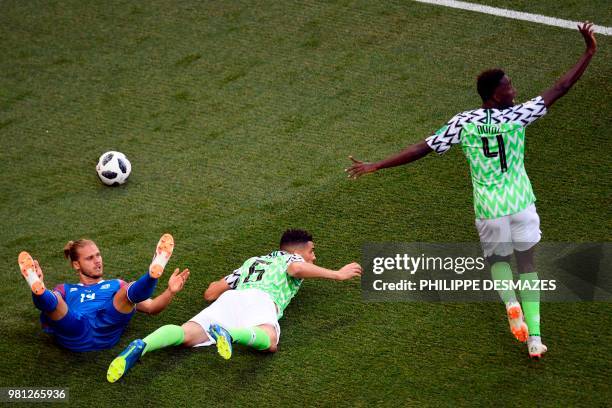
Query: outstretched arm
408, 155
305, 270
568, 80
216, 289
159, 303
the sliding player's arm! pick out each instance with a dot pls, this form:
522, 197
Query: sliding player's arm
568, 80
408, 155
175, 284
305, 270
216, 288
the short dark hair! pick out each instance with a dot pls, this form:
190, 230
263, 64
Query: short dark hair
487, 82
294, 236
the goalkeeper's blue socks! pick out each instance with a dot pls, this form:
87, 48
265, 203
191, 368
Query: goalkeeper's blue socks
43, 298
142, 289
47, 302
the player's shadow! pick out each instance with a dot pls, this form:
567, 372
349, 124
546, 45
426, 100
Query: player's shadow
203, 363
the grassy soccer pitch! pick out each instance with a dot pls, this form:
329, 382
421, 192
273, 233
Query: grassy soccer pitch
238, 118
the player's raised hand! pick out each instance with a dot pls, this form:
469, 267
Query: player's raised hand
359, 168
349, 271
177, 280
589, 36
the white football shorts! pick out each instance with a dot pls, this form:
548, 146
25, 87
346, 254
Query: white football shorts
238, 308
502, 236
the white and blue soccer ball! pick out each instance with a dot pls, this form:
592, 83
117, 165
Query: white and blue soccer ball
113, 168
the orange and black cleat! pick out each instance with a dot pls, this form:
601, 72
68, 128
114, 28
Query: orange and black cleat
518, 327
28, 270
163, 252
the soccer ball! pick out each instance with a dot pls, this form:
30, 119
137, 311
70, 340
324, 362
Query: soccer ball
113, 168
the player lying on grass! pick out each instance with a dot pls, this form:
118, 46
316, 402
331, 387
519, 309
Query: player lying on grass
92, 314
247, 304
492, 139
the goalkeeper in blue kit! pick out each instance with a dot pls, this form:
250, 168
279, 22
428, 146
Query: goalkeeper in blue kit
93, 313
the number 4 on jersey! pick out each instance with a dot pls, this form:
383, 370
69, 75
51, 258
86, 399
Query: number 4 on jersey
501, 151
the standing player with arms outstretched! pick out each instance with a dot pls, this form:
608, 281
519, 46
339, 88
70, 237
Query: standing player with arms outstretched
492, 139
247, 304
92, 314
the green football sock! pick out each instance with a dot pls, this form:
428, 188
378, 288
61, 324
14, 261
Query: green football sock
501, 271
168, 335
530, 299
254, 337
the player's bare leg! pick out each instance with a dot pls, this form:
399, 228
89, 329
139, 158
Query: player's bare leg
60, 311
525, 260
194, 334
121, 301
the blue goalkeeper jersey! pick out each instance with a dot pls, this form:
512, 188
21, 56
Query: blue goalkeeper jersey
87, 299
92, 322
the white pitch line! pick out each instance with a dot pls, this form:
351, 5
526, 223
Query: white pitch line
517, 15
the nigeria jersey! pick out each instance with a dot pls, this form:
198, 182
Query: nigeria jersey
269, 274
493, 140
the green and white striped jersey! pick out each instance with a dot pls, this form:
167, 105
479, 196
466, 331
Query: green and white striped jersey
493, 140
269, 274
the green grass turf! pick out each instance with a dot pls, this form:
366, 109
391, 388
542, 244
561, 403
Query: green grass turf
237, 118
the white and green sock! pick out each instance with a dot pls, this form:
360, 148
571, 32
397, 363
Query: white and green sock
165, 336
501, 272
254, 337
530, 299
